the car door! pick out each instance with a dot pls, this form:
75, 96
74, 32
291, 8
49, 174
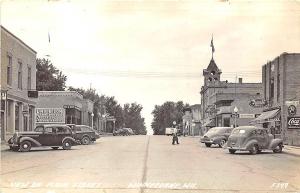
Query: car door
62, 132
48, 136
260, 136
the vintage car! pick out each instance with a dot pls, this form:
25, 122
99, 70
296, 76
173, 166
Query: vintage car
217, 136
84, 133
53, 136
128, 131
253, 139
119, 132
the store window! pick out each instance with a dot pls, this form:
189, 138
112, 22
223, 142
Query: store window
29, 78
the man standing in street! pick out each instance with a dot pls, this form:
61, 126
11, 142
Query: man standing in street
175, 138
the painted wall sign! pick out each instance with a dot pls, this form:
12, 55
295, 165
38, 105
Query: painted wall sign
247, 116
50, 115
293, 122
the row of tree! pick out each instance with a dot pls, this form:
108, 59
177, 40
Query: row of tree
49, 78
164, 115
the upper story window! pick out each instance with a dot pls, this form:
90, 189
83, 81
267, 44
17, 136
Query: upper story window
29, 78
272, 87
20, 76
9, 70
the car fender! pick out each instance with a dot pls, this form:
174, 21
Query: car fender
250, 143
274, 143
86, 135
35, 142
69, 138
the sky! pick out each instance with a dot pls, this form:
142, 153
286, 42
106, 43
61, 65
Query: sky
154, 51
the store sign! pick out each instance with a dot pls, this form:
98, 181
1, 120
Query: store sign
50, 115
258, 103
292, 110
293, 122
295, 103
247, 116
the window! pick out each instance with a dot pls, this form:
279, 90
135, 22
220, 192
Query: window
20, 76
62, 130
272, 87
17, 117
29, 78
9, 70
278, 87
226, 122
49, 130
39, 129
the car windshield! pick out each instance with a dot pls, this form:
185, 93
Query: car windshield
38, 129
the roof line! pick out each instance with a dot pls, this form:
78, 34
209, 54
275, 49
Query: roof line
18, 39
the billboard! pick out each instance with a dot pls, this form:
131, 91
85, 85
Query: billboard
50, 115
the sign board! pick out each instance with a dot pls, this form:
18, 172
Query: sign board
50, 115
258, 103
247, 116
295, 103
235, 115
293, 122
292, 110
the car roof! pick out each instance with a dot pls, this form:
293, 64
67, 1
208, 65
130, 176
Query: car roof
222, 128
249, 128
56, 125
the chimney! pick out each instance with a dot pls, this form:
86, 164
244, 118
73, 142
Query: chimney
240, 80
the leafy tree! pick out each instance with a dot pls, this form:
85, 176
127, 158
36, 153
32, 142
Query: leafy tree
164, 115
133, 118
48, 77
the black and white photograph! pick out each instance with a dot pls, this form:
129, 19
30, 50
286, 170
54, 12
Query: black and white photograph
150, 96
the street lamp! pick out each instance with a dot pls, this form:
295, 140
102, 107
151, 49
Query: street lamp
235, 110
92, 120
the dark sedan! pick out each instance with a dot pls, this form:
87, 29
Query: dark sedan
216, 135
84, 133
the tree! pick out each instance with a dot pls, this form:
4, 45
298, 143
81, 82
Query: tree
48, 77
164, 115
133, 118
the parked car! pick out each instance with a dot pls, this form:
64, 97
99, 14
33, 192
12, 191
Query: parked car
119, 132
128, 131
253, 139
84, 133
53, 136
216, 135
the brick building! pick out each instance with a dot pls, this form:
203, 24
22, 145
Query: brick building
219, 98
18, 82
281, 91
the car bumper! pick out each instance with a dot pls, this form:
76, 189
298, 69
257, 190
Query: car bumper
236, 148
207, 141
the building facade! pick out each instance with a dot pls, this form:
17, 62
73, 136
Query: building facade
281, 91
191, 120
69, 107
219, 99
18, 85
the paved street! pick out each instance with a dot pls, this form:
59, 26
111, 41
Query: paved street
147, 164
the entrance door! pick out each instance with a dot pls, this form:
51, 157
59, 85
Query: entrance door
25, 122
2, 126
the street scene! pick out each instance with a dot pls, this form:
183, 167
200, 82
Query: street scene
150, 96
149, 164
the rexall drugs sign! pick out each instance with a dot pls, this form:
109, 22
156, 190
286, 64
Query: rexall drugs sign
50, 115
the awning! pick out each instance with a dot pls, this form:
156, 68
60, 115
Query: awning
266, 116
209, 124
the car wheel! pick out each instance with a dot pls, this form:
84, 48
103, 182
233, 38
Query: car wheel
254, 150
55, 148
25, 146
208, 144
85, 140
278, 148
232, 151
67, 144
222, 143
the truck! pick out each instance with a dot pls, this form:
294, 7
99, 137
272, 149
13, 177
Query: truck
170, 131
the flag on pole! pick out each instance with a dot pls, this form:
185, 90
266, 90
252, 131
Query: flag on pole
48, 36
212, 45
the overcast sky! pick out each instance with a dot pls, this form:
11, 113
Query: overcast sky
153, 51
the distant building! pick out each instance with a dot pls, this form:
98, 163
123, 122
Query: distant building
219, 99
18, 85
69, 107
191, 123
281, 91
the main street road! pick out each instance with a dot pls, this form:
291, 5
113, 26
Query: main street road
147, 164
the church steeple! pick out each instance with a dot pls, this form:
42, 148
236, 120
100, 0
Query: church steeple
212, 73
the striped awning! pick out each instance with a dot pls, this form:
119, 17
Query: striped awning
268, 116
